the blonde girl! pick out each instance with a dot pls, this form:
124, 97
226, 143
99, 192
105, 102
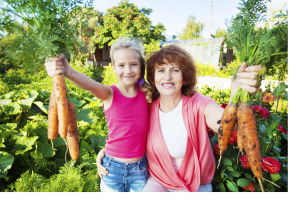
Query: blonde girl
126, 110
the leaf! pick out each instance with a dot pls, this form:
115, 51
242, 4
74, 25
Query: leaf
78, 103
275, 125
11, 108
285, 96
58, 141
33, 94
227, 161
98, 142
243, 182
229, 168
262, 128
26, 103
275, 177
284, 178
45, 149
6, 161
234, 174
8, 129
41, 106
24, 144
5, 102
222, 187
232, 186
85, 115
85, 146
249, 177
38, 157
285, 136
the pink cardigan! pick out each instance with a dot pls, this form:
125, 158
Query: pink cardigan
198, 164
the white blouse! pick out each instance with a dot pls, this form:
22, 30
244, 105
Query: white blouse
174, 133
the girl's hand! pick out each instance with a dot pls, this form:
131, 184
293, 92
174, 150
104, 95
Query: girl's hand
246, 79
101, 169
57, 65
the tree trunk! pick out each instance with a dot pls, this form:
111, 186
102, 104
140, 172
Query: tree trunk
229, 56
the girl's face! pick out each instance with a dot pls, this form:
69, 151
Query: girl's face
168, 80
127, 66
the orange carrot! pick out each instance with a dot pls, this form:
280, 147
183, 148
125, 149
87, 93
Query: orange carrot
59, 86
247, 125
72, 137
240, 140
52, 117
228, 121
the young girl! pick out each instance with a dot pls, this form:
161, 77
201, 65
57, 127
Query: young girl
126, 111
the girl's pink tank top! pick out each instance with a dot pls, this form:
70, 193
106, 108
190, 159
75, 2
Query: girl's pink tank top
127, 120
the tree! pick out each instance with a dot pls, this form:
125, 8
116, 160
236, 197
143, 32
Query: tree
192, 30
127, 19
219, 33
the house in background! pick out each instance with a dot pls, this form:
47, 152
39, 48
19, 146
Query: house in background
101, 56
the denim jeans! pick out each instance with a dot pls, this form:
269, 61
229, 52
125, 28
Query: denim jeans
124, 177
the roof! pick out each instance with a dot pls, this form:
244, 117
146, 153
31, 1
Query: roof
202, 50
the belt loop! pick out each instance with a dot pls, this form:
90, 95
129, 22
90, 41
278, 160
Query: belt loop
109, 160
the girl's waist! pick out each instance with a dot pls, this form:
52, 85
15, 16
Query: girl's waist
117, 162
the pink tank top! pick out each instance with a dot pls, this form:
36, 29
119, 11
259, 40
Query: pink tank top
127, 120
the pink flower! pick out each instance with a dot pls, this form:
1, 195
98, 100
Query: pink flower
224, 105
263, 112
250, 187
217, 150
244, 161
281, 128
233, 137
271, 165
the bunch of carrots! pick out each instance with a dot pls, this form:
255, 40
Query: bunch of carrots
62, 117
254, 50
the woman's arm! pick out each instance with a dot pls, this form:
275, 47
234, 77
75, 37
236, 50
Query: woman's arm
55, 66
246, 79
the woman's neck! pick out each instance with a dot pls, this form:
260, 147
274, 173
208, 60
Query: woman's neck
167, 104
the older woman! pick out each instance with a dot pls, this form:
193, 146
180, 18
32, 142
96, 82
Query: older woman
178, 149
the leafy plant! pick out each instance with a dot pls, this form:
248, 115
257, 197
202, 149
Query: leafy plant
48, 28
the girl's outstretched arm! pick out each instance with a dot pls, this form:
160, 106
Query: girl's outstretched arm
60, 64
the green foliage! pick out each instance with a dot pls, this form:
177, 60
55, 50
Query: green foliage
253, 45
5, 62
48, 28
231, 176
69, 179
193, 29
220, 33
110, 77
127, 19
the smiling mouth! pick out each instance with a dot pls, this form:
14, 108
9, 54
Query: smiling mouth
128, 77
169, 85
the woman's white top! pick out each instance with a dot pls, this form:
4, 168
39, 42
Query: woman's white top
174, 133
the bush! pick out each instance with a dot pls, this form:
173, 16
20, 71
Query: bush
69, 179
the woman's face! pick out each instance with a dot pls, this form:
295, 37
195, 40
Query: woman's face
168, 80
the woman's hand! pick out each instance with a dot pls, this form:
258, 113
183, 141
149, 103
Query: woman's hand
101, 169
246, 79
57, 65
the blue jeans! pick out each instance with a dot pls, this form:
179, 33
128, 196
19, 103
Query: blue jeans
124, 177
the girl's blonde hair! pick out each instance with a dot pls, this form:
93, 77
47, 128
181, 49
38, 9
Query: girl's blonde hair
125, 42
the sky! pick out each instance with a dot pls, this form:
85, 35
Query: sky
173, 14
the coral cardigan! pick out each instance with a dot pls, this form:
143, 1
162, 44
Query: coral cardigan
198, 164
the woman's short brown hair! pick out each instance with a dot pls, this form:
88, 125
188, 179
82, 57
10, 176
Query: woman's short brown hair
173, 54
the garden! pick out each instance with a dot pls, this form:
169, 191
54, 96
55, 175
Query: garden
29, 162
